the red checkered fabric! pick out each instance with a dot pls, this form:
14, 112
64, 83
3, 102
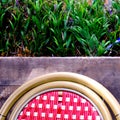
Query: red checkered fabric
52, 106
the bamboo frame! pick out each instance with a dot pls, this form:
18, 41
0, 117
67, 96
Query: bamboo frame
62, 76
62, 84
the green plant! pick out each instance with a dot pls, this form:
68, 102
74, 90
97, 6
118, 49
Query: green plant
57, 28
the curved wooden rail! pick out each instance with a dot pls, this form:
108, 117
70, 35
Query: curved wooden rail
62, 76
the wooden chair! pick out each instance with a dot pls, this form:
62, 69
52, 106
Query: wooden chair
60, 96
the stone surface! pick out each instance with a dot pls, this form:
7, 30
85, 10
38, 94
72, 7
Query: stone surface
15, 71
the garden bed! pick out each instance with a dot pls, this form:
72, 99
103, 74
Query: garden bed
59, 28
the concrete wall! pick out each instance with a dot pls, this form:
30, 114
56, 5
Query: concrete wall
15, 71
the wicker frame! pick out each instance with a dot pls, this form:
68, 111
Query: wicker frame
68, 80
62, 84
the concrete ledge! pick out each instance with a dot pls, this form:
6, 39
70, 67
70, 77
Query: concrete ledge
14, 71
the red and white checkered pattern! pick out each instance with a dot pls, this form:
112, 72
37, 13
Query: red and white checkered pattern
51, 106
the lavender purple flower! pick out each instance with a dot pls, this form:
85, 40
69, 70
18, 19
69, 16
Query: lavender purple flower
17, 2
111, 45
117, 41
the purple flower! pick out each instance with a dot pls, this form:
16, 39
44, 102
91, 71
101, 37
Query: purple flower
55, 6
111, 45
110, 12
117, 41
17, 2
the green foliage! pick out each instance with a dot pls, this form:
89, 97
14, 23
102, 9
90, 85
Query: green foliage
57, 28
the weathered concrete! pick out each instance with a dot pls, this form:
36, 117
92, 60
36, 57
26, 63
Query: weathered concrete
16, 71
